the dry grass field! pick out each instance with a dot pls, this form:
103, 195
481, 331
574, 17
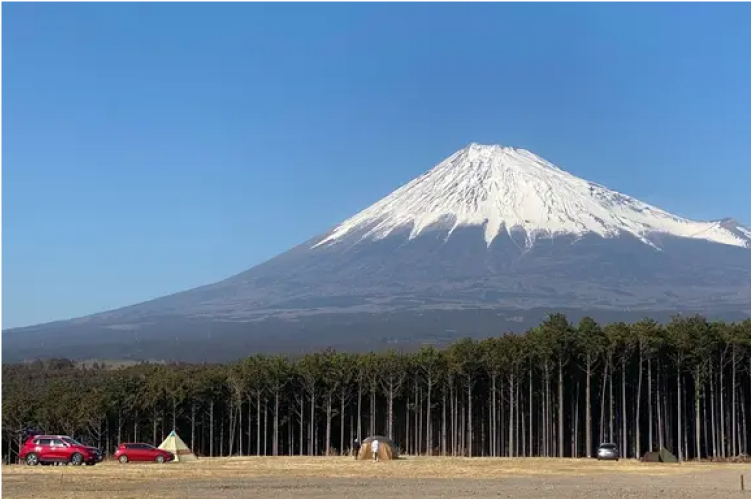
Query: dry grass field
304, 477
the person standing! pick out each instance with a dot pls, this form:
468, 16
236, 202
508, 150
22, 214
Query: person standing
374, 448
356, 447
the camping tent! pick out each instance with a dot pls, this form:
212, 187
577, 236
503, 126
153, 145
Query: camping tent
663, 456
175, 445
386, 449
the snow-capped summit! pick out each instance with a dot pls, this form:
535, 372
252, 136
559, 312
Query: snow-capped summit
506, 189
373, 280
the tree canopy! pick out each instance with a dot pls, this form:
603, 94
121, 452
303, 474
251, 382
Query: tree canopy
558, 390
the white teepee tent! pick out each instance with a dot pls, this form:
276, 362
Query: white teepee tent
175, 445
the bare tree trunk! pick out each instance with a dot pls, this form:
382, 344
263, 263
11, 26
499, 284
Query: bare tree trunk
685, 431
232, 425
637, 414
722, 422
461, 415
697, 417
660, 431
192, 426
135, 426
290, 432
258, 423
525, 432
329, 417
518, 438
482, 435
428, 423
265, 426
275, 444
548, 414
511, 449
611, 415
342, 403
250, 425
704, 422
734, 409
390, 409
588, 408
602, 402
372, 408
624, 409
407, 426
443, 424
240, 423
418, 419
211, 430
312, 422
469, 416
454, 416
743, 444
359, 411
154, 427
575, 438
352, 430
680, 416
493, 416
301, 450
493, 426
221, 437
120, 427
712, 412
651, 403
560, 408
531, 414
503, 437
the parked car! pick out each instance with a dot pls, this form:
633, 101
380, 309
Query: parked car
48, 449
99, 452
142, 452
607, 451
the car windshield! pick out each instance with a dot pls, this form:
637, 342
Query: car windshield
71, 441
607, 446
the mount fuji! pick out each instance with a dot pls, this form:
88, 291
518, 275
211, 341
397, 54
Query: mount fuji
489, 240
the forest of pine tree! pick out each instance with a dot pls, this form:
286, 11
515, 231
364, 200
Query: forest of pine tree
558, 390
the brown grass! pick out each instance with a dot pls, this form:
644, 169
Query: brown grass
347, 467
111, 479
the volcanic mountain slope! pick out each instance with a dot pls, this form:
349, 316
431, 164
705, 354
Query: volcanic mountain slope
489, 228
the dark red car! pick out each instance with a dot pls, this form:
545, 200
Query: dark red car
142, 452
45, 449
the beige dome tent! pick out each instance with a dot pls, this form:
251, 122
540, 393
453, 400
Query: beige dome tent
176, 446
386, 449
661, 456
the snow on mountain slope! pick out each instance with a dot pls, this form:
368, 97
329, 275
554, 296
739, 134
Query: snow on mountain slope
736, 228
508, 189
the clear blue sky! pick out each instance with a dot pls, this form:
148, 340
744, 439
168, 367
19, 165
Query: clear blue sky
149, 148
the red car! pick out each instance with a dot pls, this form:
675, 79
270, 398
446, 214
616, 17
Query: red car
142, 452
45, 449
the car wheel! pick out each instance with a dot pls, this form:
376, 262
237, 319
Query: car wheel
76, 459
160, 459
123, 459
32, 459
